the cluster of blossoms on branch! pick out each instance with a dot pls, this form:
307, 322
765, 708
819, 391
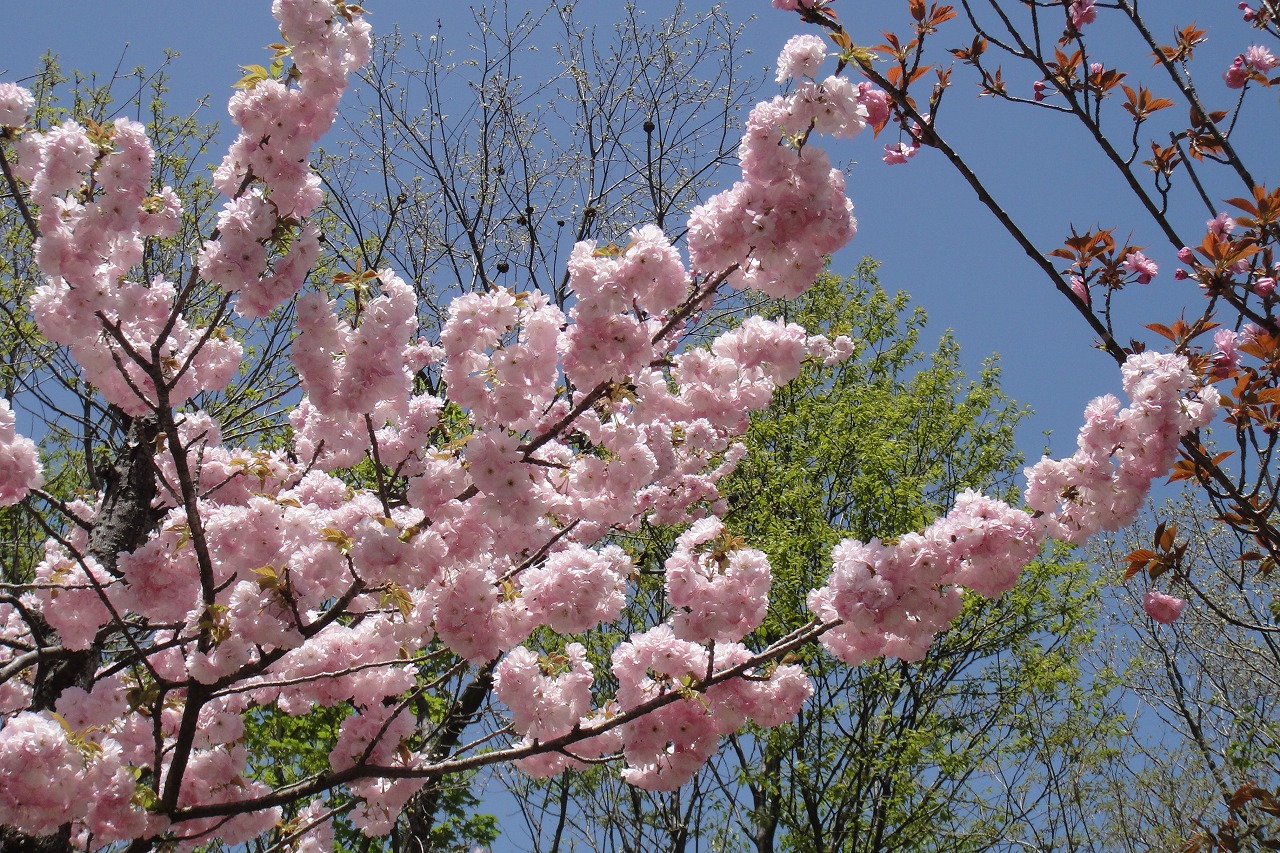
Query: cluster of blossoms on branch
272, 584
893, 599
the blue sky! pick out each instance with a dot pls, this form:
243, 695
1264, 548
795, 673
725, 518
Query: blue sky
920, 220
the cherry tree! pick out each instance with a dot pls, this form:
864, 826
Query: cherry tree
411, 534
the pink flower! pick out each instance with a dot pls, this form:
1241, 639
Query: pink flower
1082, 12
1226, 353
15, 105
1220, 226
1164, 609
19, 461
1237, 75
801, 57
876, 103
1140, 265
1081, 289
1260, 58
1256, 61
899, 153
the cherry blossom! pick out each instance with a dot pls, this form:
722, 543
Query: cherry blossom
801, 56
16, 104
19, 461
1083, 12
1163, 608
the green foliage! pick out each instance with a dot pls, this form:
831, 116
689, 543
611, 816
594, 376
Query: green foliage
877, 446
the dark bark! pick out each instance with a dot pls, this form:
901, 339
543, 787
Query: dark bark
12, 841
412, 832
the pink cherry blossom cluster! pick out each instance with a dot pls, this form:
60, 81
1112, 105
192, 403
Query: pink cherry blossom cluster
620, 302
547, 698
1082, 12
801, 56
348, 370
43, 773
16, 104
1140, 266
1254, 63
893, 599
899, 153
788, 189
95, 213
1163, 608
665, 747
722, 593
15, 694
1121, 451
1258, 278
19, 460
505, 512
503, 379
251, 254
376, 736
1226, 353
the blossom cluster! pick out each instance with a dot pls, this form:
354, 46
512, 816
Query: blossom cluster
1120, 451
1082, 12
19, 461
1253, 64
893, 599
262, 250
775, 227
91, 187
507, 507
801, 56
16, 104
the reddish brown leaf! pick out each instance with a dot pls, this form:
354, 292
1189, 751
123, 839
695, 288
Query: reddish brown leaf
940, 15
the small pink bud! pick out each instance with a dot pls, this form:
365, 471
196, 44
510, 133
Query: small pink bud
1081, 289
